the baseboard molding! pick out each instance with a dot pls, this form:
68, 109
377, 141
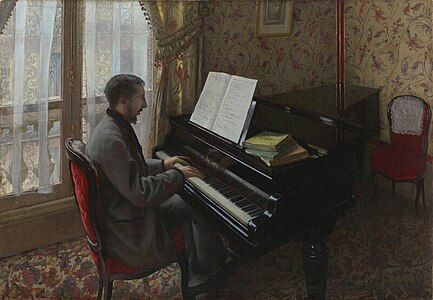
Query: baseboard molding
404, 190
39, 225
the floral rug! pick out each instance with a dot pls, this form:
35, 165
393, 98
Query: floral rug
379, 250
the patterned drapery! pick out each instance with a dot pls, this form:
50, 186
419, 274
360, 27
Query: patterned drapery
178, 27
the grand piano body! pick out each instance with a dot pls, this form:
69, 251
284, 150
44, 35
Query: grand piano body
258, 208
341, 105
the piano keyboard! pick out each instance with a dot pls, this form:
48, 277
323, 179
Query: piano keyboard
236, 196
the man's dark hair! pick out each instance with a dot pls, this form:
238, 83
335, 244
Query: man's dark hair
121, 85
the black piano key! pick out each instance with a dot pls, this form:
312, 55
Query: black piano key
237, 199
249, 209
243, 203
256, 212
231, 195
215, 184
244, 198
224, 190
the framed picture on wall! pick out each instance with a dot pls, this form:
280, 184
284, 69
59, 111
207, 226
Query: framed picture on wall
274, 17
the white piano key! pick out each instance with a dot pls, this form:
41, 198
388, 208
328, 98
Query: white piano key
232, 206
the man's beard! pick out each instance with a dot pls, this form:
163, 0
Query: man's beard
132, 118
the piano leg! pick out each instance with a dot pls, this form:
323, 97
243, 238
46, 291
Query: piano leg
359, 156
315, 256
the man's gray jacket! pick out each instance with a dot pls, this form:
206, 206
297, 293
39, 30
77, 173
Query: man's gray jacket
131, 190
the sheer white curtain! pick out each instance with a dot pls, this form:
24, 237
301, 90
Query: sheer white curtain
25, 158
117, 40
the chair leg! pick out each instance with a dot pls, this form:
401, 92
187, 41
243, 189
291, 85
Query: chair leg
108, 287
373, 175
393, 189
423, 194
108, 291
419, 186
100, 284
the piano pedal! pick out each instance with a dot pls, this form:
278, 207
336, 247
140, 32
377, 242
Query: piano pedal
232, 254
225, 270
230, 251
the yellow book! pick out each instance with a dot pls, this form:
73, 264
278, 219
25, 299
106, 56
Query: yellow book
299, 153
268, 141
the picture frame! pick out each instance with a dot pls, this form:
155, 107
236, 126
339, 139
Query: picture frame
274, 17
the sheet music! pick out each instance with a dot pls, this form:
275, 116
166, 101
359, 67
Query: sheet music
233, 112
210, 100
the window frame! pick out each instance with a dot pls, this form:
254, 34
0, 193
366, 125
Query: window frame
69, 103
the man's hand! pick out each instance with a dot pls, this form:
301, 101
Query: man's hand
189, 171
181, 162
172, 161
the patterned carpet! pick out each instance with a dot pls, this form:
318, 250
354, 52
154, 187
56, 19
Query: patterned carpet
379, 250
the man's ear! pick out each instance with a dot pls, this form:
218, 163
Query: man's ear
122, 100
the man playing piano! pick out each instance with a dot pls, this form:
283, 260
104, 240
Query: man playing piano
139, 194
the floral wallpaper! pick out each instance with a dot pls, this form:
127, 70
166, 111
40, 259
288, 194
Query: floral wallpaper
388, 46
302, 59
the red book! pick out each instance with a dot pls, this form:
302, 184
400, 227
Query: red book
297, 154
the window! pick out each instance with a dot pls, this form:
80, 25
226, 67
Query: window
117, 39
55, 58
31, 99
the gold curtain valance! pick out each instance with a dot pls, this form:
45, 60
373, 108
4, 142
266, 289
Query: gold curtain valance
175, 28
172, 45
178, 27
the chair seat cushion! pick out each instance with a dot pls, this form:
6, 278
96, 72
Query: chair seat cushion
397, 164
116, 266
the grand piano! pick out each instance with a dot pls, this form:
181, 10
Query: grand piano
342, 105
258, 208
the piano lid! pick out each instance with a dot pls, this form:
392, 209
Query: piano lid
308, 132
305, 130
327, 102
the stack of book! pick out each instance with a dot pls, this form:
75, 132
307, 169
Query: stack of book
275, 149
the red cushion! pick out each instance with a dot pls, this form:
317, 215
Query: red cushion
81, 194
410, 143
94, 256
82, 197
114, 265
397, 164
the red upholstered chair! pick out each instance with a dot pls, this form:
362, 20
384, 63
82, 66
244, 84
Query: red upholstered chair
409, 120
86, 188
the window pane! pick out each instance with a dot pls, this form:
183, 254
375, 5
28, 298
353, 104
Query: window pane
117, 39
30, 152
31, 46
